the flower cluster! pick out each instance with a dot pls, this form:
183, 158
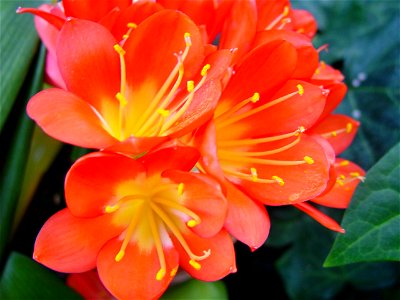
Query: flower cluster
202, 114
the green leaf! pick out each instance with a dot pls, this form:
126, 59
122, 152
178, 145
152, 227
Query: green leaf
15, 164
42, 153
372, 221
18, 45
305, 278
195, 289
25, 279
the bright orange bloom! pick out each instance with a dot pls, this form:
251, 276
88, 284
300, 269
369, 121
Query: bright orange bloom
88, 285
256, 144
49, 19
132, 95
137, 221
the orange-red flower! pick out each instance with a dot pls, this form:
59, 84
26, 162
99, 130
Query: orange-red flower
132, 95
256, 144
137, 221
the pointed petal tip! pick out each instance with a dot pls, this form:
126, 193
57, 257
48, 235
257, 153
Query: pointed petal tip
19, 10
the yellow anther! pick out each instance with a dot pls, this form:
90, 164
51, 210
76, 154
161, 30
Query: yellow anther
308, 160
342, 177
119, 49
340, 182
163, 112
255, 97
354, 174
344, 163
180, 188
349, 127
160, 274
300, 88
121, 98
191, 223
254, 175
173, 272
334, 133
111, 208
119, 256
278, 180
195, 264
125, 36
285, 11
190, 86
205, 69
188, 40
131, 25
323, 64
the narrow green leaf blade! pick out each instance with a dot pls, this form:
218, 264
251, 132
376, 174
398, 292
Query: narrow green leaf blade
17, 49
372, 221
12, 175
25, 279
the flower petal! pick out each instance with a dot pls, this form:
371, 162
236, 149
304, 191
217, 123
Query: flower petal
304, 22
221, 261
239, 28
203, 196
349, 176
92, 182
150, 59
92, 10
66, 117
247, 220
258, 70
307, 60
171, 156
69, 244
338, 130
88, 285
88, 63
135, 275
299, 182
320, 217
286, 116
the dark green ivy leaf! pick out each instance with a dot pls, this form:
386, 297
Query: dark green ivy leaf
372, 221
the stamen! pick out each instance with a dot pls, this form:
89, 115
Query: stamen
180, 188
173, 272
190, 86
163, 112
121, 98
149, 117
230, 111
260, 153
334, 133
158, 243
354, 174
284, 14
111, 208
166, 219
248, 177
300, 89
309, 160
254, 175
195, 264
262, 161
131, 25
205, 70
181, 208
255, 110
344, 163
256, 141
119, 49
349, 127
129, 232
278, 180
187, 38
